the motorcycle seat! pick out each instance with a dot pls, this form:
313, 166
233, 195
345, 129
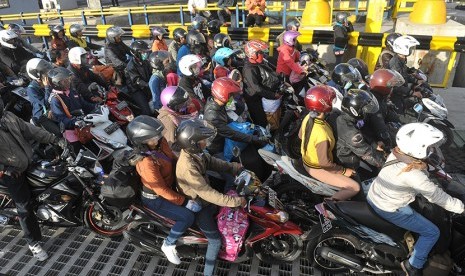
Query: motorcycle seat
362, 213
299, 166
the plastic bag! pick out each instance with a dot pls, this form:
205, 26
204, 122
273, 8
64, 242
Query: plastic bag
229, 144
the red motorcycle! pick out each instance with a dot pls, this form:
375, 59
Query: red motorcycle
270, 235
120, 111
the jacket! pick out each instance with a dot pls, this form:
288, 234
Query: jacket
383, 59
159, 45
171, 121
138, 75
173, 48
191, 4
38, 96
256, 9
16, 59
73, 102
352, 146
400, 65
15, 148
81, 42
28, 46
288, 59
115, 54
399, 94
393, 189
191, 173
157, 173
81, 80
156, 84
253, 82
217, 116
341, 37
195, 88
183, 50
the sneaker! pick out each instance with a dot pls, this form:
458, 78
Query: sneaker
171, 253
38, 252
409, 269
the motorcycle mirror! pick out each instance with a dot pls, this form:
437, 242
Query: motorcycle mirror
418, 108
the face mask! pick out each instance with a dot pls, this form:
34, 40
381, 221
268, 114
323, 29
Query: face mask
144, 56
360, 124
231, 103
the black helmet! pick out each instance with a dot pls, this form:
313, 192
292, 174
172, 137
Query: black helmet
179, 33
56, 29
360, 65
194, 37
190, 132
343, 73
18, 29
341, 17
358, 103
293, 23
142, 128
390, 40
214, 26
140, 49
157, 58
114, 32
221, 40
74, 29
59, 78
199, 23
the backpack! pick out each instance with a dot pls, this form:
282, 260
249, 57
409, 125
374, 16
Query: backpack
269, 78
121, 187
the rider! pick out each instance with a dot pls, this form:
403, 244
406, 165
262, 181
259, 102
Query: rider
59, 58
223, 59
156, 171
291, 25
352, 146
159, 43
19, 30
191, 66
116, 51
59, 39
38, 92
15, 158
179, 39
158, 60
76, 39
193, 38
402, 179
83, 76
138, 73
12, 52
288, 59
387, 53
344, 77
193, 136
260, 81
177, 106
65, 103
318, 143
213, 28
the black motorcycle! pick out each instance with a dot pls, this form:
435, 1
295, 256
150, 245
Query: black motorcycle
15, 98
65, 193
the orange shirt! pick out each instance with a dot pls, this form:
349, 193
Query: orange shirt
256, 9
159, 45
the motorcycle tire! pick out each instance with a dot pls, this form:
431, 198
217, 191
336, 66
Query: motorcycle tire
448, 133
292, 248
336, 239
95, 220
290, 144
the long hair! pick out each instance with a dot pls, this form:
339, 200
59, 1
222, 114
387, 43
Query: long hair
412, 163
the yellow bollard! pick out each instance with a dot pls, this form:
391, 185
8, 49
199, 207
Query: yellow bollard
316, 13
429, 12
373, 25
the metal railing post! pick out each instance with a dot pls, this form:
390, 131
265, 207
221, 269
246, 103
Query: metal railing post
356, 7
44, 40
62, 20
237, 16
24, 23
181, 14
243, 14
284, 15
146, 16
130, 20
102, 16
84, 21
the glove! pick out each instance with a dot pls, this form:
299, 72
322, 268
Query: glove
193, 205
61, 142
93, 87
259, 141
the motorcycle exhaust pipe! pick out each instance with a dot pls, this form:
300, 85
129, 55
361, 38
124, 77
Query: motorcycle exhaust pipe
351, 261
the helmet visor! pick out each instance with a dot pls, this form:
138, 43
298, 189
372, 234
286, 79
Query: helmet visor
196, 68
435, 157
372, 106
396, 81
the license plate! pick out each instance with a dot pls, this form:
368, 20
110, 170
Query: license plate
111, 128
325, 224
323, 79
121, 105
272, 195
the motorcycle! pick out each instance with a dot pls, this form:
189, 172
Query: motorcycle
120, 111
270, 235
15, 97
65, 193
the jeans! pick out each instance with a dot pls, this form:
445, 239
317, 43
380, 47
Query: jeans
206, 221
21, 195
182, 216
409, 219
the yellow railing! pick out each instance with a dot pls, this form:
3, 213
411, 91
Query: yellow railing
402, 6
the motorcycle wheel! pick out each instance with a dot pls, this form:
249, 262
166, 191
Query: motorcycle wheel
295, 197
448, 133
100, 224
336, 239
291, 244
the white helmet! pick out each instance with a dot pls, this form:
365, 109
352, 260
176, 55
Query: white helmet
7, 39
75, 54
418, 140
190, 65
37, 67
405, 45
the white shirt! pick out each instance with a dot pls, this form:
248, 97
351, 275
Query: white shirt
197, 4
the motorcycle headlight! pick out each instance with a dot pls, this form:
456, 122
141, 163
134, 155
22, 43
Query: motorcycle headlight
130, 118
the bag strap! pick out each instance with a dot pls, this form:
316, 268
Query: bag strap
160, 155
63, 105
389, 163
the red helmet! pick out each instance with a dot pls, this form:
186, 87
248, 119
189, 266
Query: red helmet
383, 80
320, 98
224, 87
254, 50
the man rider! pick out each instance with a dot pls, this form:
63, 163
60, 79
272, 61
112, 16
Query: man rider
12, 53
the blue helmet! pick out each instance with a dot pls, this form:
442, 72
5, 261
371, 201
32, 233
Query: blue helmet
222, 54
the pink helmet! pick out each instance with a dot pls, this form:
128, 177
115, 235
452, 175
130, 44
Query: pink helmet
290, 37
174, 98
